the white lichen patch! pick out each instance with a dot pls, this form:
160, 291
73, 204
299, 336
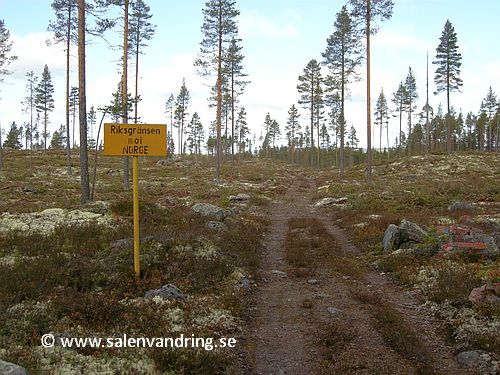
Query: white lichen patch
44, 222
217, 319
9, 260
201, 248
62, 361
489, 218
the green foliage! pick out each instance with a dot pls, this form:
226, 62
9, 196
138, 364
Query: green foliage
5, 48
13, 136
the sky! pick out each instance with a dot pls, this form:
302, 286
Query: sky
279, 38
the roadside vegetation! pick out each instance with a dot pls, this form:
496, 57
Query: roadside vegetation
77, 280
406, 189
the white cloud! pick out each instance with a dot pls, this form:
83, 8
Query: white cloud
33, 54
254, 24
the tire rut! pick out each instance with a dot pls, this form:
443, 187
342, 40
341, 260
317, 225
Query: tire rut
285, 335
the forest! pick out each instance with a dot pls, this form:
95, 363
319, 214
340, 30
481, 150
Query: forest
318, 137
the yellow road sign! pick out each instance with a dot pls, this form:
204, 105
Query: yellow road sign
135, 140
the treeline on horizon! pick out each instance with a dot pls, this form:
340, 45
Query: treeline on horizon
319, 138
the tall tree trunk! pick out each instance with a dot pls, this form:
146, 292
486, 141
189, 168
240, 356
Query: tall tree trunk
448, 120
137, 40
219, 93
126, 159
368, 97
84, 165
409, 130
312, 122
68, 44
1, 150
232, 119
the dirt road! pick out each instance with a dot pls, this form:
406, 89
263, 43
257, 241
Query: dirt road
338, 316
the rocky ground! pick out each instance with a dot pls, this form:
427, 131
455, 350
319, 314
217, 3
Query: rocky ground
311, 274
284, 331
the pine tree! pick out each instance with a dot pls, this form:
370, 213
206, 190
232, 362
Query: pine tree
58, 139
399, 99
292, 129
447, 77
242, 131
140, 31
181, 112
169, 110
12, 141
44, 100
274, 135
84, 27
29, 106
365, 12
82, 99
308, 87
5, 48
5, 60
195, 135
115, 108
91, 120
411, 98
490, 106
233, 68
65, 30
219, 28
353, 142
382, 118
73, 109
470, 124
268, 121
342, 56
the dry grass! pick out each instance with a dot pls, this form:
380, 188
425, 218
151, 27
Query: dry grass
308, 245
402, 189
396, 333
76, 283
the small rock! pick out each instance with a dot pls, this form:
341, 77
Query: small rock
468, 359
166, 202
312, 281
460, 206
217, 226
240, 198
30, 190
245, 284
210, 210
333, 311
391, 238
168, 291
280, 273
112, 173
409, 231
7, 368
163, 162
487, 295
479, 362
129, 242
330, 202
25, 190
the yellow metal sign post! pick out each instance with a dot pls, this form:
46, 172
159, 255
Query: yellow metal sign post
135, 140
